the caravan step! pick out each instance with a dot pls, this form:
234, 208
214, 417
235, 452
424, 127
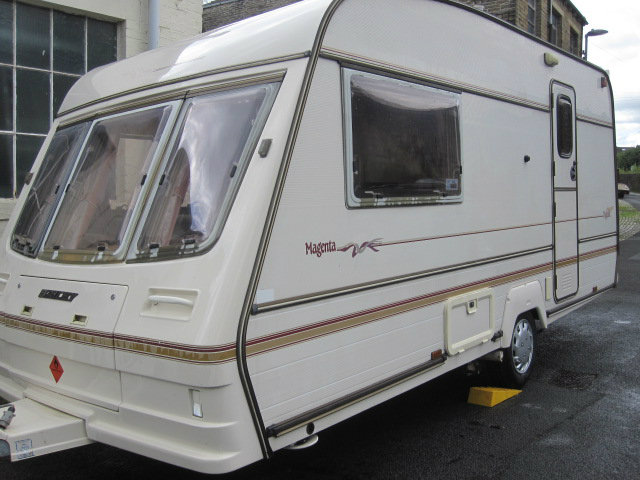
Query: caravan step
37, 430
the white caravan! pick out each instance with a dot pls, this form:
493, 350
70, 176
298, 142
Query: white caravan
232, 243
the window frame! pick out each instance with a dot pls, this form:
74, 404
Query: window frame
574, 42
354, 202
560, 143
52, 73
118, 255
555, 28
531, 23
135, 255
76, 149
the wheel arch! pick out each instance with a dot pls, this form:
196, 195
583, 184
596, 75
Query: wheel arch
527, 298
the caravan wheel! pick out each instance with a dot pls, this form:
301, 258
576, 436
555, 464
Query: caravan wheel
519, 356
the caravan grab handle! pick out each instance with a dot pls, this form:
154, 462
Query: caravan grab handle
156, 299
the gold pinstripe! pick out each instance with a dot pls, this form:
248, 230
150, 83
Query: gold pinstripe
227, 353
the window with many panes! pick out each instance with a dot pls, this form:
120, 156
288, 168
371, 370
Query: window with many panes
403, 143
555, 28
574, 43
42, 53
531, 17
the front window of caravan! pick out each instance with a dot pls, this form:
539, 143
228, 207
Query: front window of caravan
91, 222
402, 142
47, 189
198, 182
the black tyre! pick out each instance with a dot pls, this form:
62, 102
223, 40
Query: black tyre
519, 357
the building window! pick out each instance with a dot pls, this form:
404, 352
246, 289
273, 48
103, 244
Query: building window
574, 42
403, 145
555, 28
531, 17
42, 53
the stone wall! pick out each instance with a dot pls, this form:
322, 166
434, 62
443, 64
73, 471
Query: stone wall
503, 9
223, 12
516, 12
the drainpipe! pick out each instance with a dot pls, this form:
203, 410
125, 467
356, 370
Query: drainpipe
154, 24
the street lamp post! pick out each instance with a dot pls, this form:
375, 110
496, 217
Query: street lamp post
592, 33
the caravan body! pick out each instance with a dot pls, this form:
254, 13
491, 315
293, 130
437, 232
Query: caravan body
235, 242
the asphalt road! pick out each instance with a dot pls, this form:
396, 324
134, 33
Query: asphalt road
577, 418
633, 199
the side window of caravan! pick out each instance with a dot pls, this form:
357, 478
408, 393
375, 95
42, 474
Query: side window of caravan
402, 140
564, 124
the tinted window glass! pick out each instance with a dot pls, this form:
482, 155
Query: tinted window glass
68, 43
47, 188
219, 131
61, 85
27, 147
6, 165
32, 43
6, 98
564, 124
45, 52
101, 43
96, 208
32, 87
6, 32
404, 142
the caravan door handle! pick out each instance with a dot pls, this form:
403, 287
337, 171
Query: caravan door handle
156, 299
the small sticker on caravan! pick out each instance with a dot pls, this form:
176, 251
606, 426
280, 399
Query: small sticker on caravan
451, 184
24, 449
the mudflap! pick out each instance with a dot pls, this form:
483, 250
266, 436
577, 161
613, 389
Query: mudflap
37, 430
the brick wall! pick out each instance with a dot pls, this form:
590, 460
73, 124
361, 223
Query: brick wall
223, 12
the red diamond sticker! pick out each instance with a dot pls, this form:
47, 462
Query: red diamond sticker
56, 369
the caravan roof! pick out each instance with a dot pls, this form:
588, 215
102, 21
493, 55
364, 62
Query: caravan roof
287, 31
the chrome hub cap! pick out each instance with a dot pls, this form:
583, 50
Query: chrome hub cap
522, 346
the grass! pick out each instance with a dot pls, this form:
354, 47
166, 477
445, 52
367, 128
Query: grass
627, 211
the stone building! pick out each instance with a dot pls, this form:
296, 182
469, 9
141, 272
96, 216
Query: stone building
223, 12
556, 21
46, 45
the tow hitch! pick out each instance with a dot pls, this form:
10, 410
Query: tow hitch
29, 429
7, 416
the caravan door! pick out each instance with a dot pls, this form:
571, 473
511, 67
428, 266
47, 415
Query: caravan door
565, 191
